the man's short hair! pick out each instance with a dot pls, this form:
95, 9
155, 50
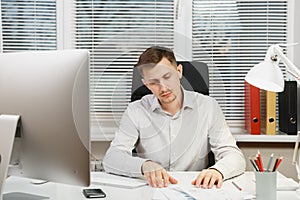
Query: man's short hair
153, 55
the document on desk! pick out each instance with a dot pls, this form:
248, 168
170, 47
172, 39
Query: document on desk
172, 192
116, 181
286, 184
176, 192
184, 190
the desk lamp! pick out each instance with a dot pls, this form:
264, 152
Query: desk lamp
268, 76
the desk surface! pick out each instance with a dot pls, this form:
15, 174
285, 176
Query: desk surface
62, 192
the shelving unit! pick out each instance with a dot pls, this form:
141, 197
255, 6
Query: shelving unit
239, 137
101, 135
107, 134
246, 137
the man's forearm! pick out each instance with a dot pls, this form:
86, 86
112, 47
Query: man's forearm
231, 165
122, 163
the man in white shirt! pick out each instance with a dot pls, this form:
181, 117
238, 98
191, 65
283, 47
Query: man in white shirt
172, 129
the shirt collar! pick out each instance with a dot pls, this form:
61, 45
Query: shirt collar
187, 101
155, 104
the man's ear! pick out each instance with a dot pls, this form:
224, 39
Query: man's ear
179, 70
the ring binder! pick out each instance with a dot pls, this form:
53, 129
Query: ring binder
288, 108
252, 109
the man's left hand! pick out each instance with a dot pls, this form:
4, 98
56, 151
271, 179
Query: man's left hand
207, 178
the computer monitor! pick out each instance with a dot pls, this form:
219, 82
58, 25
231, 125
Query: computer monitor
49, 90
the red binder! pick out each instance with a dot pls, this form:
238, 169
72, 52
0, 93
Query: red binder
252, 109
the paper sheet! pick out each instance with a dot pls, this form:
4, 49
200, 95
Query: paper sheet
176, 192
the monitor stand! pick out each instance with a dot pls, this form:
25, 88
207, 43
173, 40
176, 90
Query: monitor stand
8, 127
22, 196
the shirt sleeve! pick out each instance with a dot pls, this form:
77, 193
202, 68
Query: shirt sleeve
230, 160
118, 158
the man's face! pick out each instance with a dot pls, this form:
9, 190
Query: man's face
164, 81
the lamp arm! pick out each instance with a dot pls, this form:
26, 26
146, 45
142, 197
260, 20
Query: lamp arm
296, 148
290, 67
295, 72
294, 162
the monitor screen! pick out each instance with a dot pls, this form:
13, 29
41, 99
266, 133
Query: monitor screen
49, 90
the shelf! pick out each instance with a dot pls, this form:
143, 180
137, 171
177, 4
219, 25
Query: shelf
238, 138
264, 138
102, 135
102, 138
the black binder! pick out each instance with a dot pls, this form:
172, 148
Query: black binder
287, 103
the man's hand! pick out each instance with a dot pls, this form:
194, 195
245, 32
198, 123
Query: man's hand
207, 178
156, 175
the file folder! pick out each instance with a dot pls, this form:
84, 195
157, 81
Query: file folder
288, 108
252, 109
268, 112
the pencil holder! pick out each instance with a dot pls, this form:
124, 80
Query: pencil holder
265, 184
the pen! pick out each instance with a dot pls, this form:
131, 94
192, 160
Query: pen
261, 169
238, 187
260, 161
254, 165
277, 163
270, 161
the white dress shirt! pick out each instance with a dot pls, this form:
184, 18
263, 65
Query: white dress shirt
179, 143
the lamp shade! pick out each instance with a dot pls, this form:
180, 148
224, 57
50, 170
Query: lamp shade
266, 75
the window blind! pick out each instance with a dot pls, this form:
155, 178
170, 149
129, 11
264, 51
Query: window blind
28, 25
116, 33
232, 36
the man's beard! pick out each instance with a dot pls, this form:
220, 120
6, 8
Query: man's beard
169, 99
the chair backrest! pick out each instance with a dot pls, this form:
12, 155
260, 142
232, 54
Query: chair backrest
195, 78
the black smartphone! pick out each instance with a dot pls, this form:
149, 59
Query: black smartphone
94, 193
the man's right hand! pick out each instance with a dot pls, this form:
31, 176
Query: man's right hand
156, 175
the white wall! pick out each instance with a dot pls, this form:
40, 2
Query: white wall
266, 149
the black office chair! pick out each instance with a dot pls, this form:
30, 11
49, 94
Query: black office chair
195, 78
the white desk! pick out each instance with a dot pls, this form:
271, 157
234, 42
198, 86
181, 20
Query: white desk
65, 192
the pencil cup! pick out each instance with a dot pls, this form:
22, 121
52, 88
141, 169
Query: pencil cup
265, 183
